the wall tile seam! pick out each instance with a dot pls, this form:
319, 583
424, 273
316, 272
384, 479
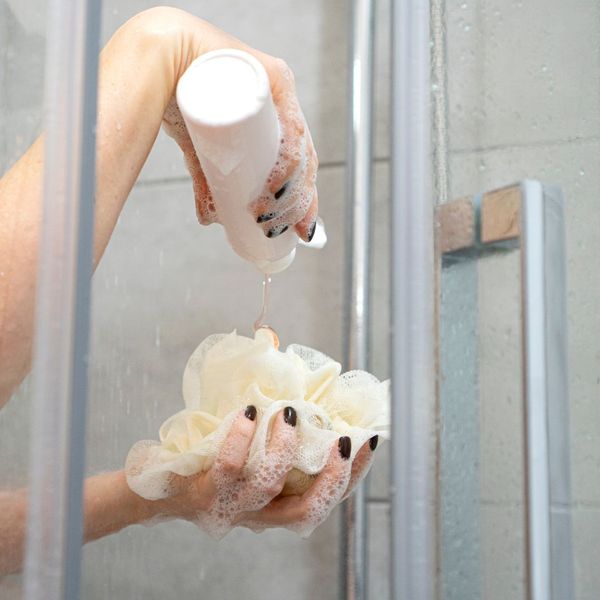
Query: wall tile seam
378, 501
176, 179
528, 145
502, 503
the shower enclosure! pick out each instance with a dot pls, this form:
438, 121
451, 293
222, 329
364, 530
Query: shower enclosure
459, 145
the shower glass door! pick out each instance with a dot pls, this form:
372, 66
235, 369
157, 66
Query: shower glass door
515, 87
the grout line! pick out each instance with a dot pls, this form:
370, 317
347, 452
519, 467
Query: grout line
376, 500
540, 144
144, 183
334, 164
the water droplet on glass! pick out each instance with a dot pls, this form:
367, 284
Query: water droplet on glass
581, 172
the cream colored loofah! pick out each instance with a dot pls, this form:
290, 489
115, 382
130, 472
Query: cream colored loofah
228, 372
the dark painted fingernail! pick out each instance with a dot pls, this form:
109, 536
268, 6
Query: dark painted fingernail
280, 192
373, 442
266, 217
277, 231
250, 412
311, 231
290, 416
345, 446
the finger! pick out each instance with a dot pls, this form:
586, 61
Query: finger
234, 452
277, 216
174, 126
361, 464
284, 440
291, 145
205, 208
307, 226
267, 481
313, 507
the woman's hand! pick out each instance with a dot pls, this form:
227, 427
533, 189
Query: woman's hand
290, 195
228, 495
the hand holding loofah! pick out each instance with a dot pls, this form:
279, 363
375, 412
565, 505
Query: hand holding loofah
307, 465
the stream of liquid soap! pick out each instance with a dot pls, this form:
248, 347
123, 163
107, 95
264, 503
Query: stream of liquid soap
261, 322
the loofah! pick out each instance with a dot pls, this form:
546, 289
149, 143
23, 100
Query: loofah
228, 372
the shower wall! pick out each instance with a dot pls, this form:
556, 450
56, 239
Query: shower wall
524, 101
165, 283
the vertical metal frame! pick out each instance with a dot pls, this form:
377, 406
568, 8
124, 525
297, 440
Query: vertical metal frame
353, 585
54, 536
413, 568
543, 272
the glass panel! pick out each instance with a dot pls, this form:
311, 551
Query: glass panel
522, 102
22, 59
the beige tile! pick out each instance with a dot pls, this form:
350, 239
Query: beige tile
503, 552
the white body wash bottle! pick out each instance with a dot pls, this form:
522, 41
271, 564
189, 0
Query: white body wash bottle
225, 100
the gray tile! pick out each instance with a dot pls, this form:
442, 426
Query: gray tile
586, 533
378, 551
175, 559
501, 405
503, 552
518, 73
15, 435
11, 587
380, 309
22, 55
464, 44
166, 283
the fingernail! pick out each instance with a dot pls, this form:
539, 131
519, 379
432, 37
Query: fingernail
277, 231
266, 217
345, 446
290, 416
373, 442
250, 412
280, 192
311, 231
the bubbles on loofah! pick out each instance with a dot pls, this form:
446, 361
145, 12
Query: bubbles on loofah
225, 374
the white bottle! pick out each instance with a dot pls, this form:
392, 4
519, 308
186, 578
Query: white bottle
225, 100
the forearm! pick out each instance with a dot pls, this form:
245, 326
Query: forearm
108, 506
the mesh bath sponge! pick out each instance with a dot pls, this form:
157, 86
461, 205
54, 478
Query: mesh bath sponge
228, 372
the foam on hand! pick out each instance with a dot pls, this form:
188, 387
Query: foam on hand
228, 372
